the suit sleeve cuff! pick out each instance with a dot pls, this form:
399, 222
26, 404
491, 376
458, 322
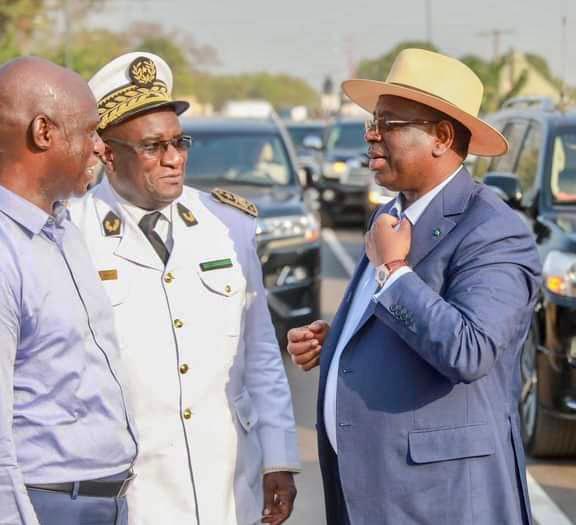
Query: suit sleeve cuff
391, 280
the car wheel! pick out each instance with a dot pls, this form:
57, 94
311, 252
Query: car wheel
543, 434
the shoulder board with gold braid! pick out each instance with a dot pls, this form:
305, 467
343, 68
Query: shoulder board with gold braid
232, 199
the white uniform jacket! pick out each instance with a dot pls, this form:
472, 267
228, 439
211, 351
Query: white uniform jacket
205, 375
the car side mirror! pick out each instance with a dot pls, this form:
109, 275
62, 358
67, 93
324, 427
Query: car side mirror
312, 142
506, 186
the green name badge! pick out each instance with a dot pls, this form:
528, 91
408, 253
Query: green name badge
215, 265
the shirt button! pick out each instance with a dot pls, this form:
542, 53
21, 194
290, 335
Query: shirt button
178, 323
187, 414
169, 277
184, 368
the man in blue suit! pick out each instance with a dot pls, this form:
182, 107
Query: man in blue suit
419, 373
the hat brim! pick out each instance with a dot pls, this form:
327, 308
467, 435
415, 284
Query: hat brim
179, 107
485, 140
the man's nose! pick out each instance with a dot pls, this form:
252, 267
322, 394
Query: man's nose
372, 135
173, 156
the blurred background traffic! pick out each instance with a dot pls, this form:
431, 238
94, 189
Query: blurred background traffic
269, 121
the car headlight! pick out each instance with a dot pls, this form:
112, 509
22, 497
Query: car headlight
300, 227
560, 273
378, 198
334, 170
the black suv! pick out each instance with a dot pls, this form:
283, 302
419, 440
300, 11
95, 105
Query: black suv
537, 177
345, 176
254, 158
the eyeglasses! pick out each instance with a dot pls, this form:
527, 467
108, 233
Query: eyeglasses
382, 125
156, 148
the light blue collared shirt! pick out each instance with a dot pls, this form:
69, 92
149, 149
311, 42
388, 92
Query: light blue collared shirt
364, 293
63, 416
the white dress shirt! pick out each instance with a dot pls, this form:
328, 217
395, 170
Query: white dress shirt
164, 225
365, 292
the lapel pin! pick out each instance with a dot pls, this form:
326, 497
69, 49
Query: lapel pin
436, 232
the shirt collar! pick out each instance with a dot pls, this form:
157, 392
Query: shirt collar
27, 214
137, 213
417, 208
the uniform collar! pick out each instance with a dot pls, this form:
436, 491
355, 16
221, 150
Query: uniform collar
137, 213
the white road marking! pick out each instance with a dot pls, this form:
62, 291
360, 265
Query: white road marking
544, 510
338, 250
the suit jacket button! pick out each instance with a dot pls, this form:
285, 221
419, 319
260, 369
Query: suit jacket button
187, 414
178, 323
184, 368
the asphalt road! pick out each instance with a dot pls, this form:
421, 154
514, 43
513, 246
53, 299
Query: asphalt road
553, 491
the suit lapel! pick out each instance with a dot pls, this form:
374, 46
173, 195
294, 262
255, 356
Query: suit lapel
342, 313
133, 245
437, 221
440, 217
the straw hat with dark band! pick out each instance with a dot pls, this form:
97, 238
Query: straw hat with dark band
131, 84
437, 81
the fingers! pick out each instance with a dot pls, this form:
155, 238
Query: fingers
319, 327
405, 227
313, 363
269, 493
307, 359
385, 219
303, 347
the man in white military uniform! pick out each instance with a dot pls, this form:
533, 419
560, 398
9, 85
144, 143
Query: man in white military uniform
211, 399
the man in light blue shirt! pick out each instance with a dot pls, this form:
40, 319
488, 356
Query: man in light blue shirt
66, 440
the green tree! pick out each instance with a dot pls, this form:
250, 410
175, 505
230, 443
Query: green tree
18, 19
279, 90
378, 68
490, 73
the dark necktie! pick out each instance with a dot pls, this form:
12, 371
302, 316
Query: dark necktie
147, 225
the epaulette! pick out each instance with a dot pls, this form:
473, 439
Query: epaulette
232, 199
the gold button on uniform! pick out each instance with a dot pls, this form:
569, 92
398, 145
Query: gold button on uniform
178, 323
228, 288
169, 277
184, 368
187, 413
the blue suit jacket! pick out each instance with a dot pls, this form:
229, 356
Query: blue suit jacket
428, 385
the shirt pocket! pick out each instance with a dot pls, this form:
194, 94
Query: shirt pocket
116, 284
225, 296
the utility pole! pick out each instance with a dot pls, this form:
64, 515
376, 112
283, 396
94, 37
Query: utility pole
67, 32
564, 37
496, 35
428, 12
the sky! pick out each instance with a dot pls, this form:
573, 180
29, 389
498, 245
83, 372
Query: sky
314, 38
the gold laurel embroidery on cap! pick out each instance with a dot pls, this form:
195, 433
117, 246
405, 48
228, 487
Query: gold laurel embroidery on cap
142, 71
127, 99
111, 224
232, 199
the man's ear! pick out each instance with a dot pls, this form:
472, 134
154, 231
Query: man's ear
445, 136
42, 132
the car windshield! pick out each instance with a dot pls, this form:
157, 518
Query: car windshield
563, 166
238, 158
299, 133
349, 135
